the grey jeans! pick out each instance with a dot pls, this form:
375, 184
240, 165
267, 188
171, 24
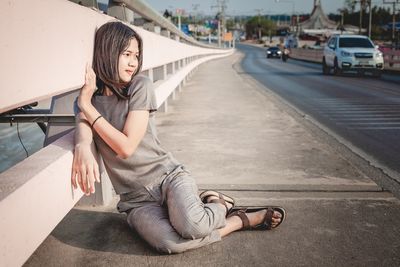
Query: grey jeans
177, 220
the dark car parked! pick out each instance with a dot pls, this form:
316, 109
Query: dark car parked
274, 51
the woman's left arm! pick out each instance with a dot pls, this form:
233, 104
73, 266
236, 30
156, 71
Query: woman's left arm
123, 143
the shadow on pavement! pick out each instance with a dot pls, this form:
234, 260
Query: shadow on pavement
100, 231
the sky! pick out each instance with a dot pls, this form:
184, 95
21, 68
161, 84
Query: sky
246, 7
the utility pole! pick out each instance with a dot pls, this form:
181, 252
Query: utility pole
394, 21
195, 7
370, 18
393, 2
292, 24
342, 10
221, 18
179, 12
259, 22
362, 2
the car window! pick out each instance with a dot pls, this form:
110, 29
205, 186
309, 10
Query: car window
332, 42
355, 42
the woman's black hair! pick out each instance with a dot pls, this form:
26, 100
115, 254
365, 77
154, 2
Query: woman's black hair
111, 40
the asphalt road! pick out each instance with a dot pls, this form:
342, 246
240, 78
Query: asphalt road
364, 111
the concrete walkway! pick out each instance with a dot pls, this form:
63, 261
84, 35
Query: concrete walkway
236, 136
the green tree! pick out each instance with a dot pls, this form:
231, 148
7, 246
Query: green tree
259, 23
230, 24
380, 17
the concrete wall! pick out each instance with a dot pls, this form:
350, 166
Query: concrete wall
47, 45
49, 42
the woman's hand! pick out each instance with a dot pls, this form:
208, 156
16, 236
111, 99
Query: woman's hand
88, 88
85, 169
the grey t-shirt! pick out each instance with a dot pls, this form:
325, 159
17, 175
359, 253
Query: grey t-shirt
150, 161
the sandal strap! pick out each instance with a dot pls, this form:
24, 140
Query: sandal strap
268, 218
221, 199
242, 215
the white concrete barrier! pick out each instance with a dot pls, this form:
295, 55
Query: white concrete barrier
34, 197
36, 193
47, 43
306, 54
43, 53
166, 87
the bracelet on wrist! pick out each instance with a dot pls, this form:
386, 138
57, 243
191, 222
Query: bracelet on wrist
95, 121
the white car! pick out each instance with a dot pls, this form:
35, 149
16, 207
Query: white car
352, 53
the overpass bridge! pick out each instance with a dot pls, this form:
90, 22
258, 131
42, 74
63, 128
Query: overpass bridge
231, 133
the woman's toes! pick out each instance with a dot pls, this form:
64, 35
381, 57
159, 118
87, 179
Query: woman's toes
277, 215
276, 219
275, 222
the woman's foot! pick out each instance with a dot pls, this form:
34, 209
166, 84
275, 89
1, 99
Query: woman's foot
259, 218
254, 219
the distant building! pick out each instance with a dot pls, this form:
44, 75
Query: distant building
318, 20
318, 25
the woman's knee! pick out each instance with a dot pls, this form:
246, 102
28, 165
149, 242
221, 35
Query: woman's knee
190, 229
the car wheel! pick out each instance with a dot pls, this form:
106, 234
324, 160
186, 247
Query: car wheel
336, 69
325, 68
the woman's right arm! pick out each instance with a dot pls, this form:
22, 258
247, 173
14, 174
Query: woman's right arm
85, 170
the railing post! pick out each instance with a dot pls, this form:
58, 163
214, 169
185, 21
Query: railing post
175, 37
164, 106
120, 11
152, 28
151, 75
165, 33
61, 104
170, 69
165, 71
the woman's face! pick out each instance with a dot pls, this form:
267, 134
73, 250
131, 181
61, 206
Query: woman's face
128, 61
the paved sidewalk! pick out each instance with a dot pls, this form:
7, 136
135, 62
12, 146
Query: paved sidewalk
237, 137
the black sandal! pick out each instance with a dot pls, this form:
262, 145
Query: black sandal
267, 222
222, 199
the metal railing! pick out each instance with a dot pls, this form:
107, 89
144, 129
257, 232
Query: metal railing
147, 12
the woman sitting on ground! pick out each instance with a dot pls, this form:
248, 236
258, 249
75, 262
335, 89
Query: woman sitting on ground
115, 109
